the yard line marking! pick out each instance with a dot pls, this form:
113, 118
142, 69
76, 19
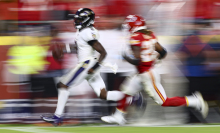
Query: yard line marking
30, 130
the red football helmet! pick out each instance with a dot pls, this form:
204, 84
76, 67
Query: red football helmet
134, 23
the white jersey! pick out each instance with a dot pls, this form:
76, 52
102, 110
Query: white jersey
85, 51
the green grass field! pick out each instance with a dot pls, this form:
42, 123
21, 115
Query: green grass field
112, 129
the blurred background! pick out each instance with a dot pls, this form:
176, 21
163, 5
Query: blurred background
188, 29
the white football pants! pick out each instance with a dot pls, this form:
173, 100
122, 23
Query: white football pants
80, 73
150, 81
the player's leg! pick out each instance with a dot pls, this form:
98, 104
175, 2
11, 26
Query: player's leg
119, 95
153, 87
97, 84
99, 87
129, 88
63, 95
74, 77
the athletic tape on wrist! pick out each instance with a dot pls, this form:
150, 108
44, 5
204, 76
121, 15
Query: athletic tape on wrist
68, 48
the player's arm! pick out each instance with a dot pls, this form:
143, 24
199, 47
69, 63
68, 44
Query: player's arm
161, 50
136, 51
99, 48
70, 48
73, 48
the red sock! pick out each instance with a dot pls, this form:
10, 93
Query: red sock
175, 101
122, 104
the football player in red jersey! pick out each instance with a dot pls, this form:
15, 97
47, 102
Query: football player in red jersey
146, 50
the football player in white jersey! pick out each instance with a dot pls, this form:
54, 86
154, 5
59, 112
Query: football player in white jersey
88, 65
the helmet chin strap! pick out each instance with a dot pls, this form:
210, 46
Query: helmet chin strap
138, 28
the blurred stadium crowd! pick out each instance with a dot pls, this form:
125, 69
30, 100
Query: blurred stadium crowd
189, 29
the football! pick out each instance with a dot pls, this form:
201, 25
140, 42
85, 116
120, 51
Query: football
57, 51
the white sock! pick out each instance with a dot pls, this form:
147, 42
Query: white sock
114, 95
192, 101
62, 99
120, 116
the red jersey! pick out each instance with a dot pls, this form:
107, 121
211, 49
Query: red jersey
147, 54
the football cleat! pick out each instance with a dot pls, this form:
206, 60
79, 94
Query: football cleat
140, 104
117, 117
54, 120
137, 100
203, 106
112, 119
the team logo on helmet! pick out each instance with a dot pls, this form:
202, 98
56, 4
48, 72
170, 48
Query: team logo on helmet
134, 22
131, 18
84, 17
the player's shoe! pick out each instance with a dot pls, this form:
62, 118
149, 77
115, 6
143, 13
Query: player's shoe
113, 119
56, 121
203, 107
117, 117
138, 100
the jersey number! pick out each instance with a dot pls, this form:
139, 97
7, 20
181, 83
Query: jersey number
147, 51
